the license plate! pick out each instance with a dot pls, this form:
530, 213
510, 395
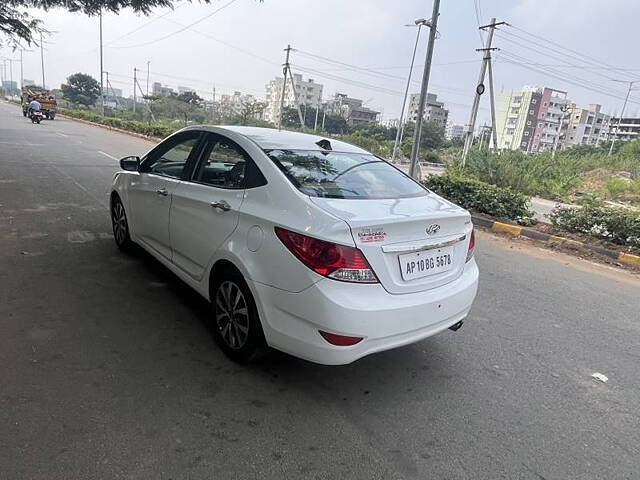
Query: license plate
423, 264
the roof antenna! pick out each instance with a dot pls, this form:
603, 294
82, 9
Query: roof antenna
324, 144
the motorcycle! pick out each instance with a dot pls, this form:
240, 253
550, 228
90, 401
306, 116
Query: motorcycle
35, 116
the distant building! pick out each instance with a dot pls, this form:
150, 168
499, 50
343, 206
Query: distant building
585, 126
10, 86
28, 83
308, 93
454, 130
434, 110
529, 119
352, 110
185, 90
160, 91
113, 92
232, 105
625, 128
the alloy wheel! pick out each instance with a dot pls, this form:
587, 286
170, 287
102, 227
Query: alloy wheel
119, 220
232, 314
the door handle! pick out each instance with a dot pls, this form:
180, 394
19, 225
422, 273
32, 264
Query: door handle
162, 191
222, 205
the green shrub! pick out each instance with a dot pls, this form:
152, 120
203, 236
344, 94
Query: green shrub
158, 130
482, 197
616, 187
614, 224
538, 174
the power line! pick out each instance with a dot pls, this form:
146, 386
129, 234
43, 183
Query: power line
186, 27
559, 77
567, 77
581, 80
593, 59
365, 70
223, 42
546, 54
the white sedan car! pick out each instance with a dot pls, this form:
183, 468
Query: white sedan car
309, 245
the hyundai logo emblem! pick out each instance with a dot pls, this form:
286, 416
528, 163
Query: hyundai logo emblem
433, 229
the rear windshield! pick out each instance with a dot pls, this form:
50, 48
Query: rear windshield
344, 175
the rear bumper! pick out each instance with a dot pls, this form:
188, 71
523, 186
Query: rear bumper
291, 320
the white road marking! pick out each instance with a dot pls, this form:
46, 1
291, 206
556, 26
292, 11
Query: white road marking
61, 134
107, 155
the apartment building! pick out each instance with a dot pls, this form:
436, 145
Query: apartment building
434, 110
232, 105
351, 109
625, 128
161, 91
585, 126
529, 119
309, 93
454, 130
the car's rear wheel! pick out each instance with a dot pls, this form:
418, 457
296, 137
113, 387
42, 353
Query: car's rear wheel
236, 323
120, 224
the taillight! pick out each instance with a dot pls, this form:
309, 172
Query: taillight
472, 244
339, 262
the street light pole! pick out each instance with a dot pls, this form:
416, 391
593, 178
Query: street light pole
624, 105
399, 132
425, 85
101, 66
42, 59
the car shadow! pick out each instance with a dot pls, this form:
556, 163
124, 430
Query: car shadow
385, 372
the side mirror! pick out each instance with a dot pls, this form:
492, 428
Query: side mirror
131, 164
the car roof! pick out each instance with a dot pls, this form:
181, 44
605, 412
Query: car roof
273, 139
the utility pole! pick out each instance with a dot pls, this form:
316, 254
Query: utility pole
285, 70
21, 72
148, 63
420, 23
494, 130
135, 82
324, 114
213, 104
624, 105
11, 75
101, 65
315, 124
42, 60
468, 140
425, 85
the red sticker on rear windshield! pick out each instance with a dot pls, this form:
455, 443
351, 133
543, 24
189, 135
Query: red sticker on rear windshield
371, 234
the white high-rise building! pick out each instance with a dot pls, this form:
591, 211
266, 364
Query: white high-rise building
309, 93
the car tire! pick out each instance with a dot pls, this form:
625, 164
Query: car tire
52, 116
236, 323
120, 225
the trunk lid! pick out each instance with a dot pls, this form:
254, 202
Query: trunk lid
397, 237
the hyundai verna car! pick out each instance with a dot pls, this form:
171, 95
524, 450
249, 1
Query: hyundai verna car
305, 244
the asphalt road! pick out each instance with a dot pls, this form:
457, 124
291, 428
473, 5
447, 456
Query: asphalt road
108, 369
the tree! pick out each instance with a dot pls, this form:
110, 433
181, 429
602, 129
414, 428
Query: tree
192, 98
81, 89
432, 138
250, 109
18, 26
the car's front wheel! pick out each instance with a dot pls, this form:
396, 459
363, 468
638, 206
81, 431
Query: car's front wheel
237, 325
120, 224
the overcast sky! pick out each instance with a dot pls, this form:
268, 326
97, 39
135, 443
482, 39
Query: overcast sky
238, 45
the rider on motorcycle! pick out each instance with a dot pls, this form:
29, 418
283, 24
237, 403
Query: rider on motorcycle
34, 106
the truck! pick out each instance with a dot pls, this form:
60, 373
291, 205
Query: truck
47, 101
